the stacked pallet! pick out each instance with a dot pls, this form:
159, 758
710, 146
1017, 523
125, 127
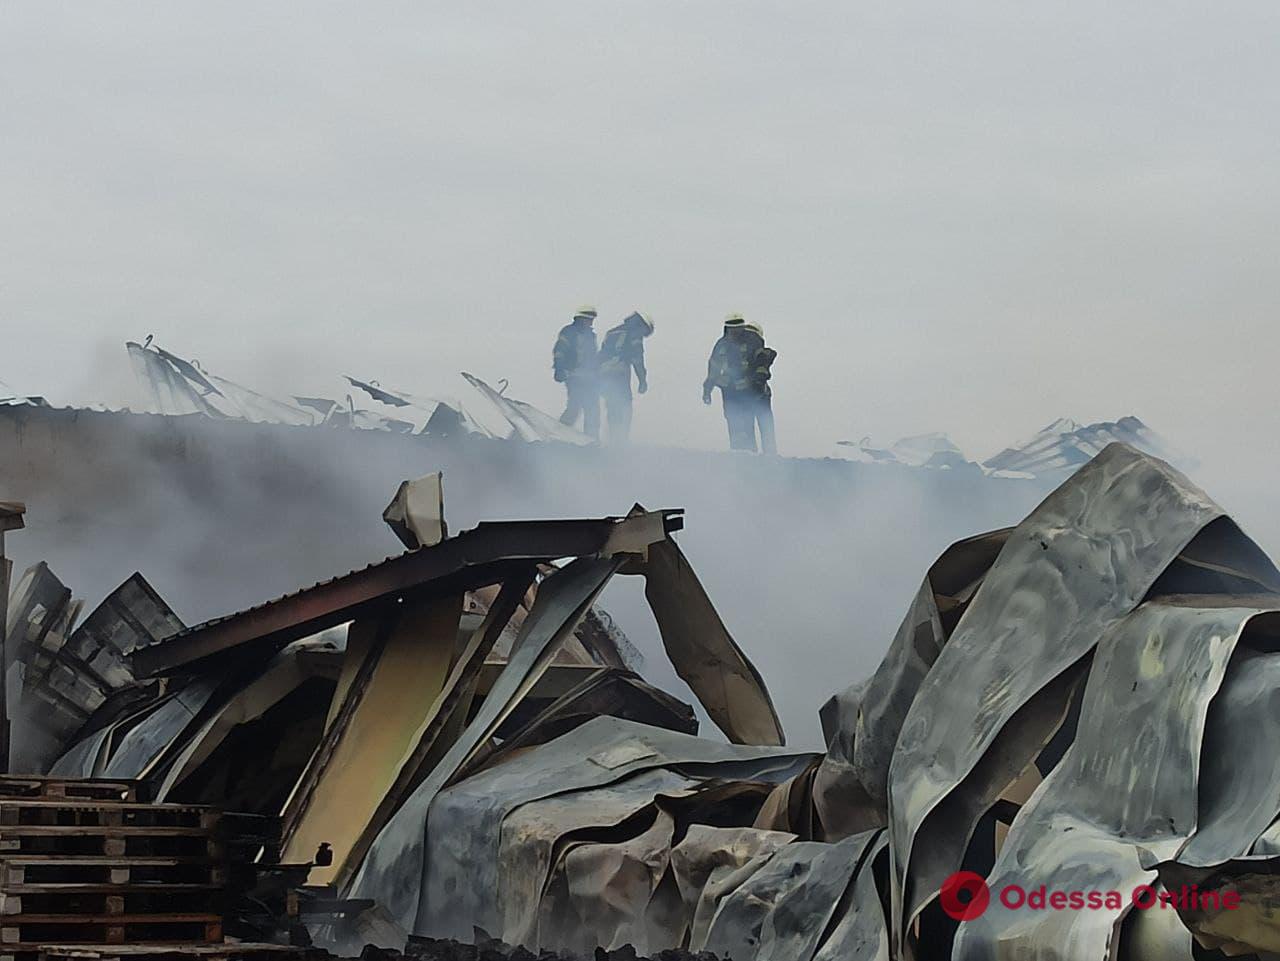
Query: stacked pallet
86, 864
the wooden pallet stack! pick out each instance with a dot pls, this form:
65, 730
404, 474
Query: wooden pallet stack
88, 866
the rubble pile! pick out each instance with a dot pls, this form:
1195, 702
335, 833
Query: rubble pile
456, 739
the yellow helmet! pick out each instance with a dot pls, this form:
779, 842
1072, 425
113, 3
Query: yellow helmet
644, 319
585, 312
757, 327
734, 320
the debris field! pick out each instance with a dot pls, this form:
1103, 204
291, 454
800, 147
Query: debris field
454, 750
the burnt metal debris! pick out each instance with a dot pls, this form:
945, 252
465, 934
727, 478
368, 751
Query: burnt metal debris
176, 386
457, 740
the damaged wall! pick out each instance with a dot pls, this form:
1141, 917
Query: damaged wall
788, 548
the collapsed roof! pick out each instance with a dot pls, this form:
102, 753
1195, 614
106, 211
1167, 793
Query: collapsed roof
176, 386
1053, 452
1064, 445
410, 715
370, 687
12, 398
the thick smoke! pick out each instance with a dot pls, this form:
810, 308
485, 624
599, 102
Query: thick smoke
810, 562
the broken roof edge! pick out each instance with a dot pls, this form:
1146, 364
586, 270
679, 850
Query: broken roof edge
11, 516
485, 554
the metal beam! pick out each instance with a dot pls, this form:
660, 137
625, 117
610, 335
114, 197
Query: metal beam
487, 554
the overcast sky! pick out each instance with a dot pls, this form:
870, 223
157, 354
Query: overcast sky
969, 217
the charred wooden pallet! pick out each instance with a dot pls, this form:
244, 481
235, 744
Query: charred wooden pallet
94, 812
19, 786
86, 865
110, 899
23, 931
76, 827
228, 951
52, 870
108, 840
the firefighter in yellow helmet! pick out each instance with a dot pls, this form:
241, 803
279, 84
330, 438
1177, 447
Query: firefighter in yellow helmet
621, 352
740, 365
575, 361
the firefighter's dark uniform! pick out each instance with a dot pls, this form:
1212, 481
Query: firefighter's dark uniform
574, 361
760, 398
732, 360
621, 352
741, 366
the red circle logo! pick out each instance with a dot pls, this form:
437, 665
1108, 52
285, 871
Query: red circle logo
964, 896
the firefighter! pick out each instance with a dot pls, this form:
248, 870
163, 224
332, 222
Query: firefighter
574, 361
621, 352
727, 368
759, 393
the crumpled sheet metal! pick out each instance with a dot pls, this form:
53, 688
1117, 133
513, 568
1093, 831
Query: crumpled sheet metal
84, 759
394, 872
416, 513
528, 423
1114, 800
861, 930
1006, 766
861, 724
130, 615
161, 731
593, 837
259, 408
609, 691
1240, 784
287, 671
179, 386
1084, 558
709, 863
1253, 927
791, 807
1222, 560
464, 824
785, 907
432, 411
1010, 637
1268, 843
885, 698
703, 652
38, 602
842, 805
68, 679
1155, 936
531, 833
609, 886
172, 393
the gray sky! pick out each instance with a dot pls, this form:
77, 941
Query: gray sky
965, 217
